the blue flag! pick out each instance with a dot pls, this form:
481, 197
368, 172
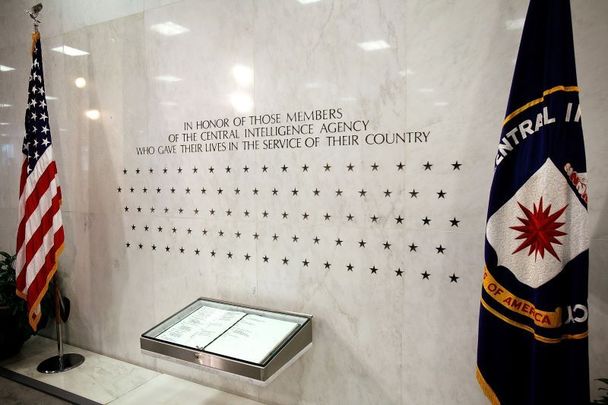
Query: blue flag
533, 330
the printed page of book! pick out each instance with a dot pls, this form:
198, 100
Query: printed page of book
200, 327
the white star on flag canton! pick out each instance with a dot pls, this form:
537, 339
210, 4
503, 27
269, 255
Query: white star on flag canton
40, 232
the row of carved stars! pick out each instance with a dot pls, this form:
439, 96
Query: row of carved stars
294, 192
305, 263
295, 239
305, 215
428, 166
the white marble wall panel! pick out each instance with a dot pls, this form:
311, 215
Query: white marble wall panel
133, 257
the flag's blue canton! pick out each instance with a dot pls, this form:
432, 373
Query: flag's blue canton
38, 133
533, 318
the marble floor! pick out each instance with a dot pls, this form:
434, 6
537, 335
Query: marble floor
101, 380
13, 393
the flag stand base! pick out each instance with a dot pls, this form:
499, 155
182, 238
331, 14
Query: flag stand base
57, 364
61, 362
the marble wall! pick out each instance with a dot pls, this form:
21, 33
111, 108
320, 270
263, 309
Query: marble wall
382, 241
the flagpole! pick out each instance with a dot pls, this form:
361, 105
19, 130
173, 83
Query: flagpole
62, 362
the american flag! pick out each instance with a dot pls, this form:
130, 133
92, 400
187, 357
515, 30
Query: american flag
40, 233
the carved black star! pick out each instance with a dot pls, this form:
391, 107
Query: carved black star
338, 242
128, 244
284, 215
427, 165
266, 258
151, 170
167, 249
211, 169
237, 234
425, 275
338, 193
362, 193
174, 229
212, 253
212, 211
181, 250
124, 171
387, 245
255, 191
327, 265
374, 167
350, 167
228, 169
414, 193
316, 192
440, 249
374, 219
180, 210
165, 170
454, 278
413, 247
137, 170
247, 256
145, 190
285, 261
119, 189
284, 168
203, 190
195, 211
146, 228
441, 194
245, 169
387, 193
399, 272
349, 267
204, 232
126, 209
275, 237
305, 216
362, 243
456, 165
138, 209
153, 247
305, 168
160, 229
327, 217
305, 262
131, 189
399, 220
350, 217
256, 236
166, 210
264, 169
152, 210
275, 191
187, 190
327, 167
373, 270
265, 214
228, 212
316, 240
295, 238
246, 213
400, 166
426, 221
133, 227
237, 191
195, 169
158, 190
173, 190
229, 254
220, 233
219, 191
294, 192
197, 252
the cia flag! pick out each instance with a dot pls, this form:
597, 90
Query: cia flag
40, 230
532, 346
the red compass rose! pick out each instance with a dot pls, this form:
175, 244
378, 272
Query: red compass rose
539, 230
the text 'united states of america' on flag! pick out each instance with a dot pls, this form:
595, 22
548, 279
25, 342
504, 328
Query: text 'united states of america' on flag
40, 230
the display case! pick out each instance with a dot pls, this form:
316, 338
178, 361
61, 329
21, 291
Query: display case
247, 341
